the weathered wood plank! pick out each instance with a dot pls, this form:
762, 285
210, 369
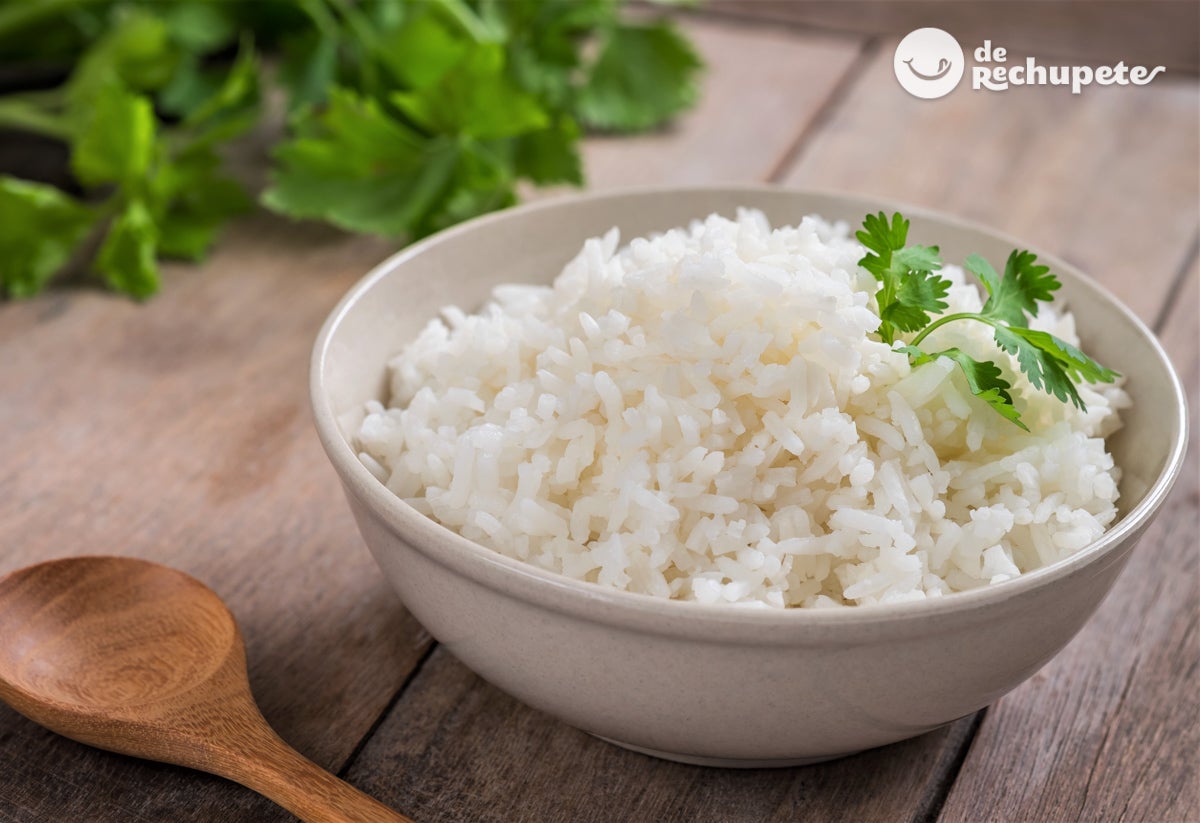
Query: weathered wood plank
454, 748
1105, 179
457, 749
452, 740
1109, 730
113, 401
761, 83
178, 431
1151, 32
1108, 181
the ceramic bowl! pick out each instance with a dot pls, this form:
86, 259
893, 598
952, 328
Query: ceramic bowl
719, 685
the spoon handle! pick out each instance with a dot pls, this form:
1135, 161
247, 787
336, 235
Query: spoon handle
277, 771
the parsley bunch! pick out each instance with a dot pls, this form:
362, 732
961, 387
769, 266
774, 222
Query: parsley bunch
402, 116
910, 293
149, 190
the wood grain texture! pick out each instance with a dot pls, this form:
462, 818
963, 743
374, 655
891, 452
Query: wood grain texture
1110, 729
761, 85
1106, 179
178, 431
139, 658
457, 749
1153, 32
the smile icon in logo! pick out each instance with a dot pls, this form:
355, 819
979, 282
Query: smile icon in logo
943, 67
924, 50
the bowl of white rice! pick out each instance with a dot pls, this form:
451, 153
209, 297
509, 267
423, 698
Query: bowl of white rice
641, 460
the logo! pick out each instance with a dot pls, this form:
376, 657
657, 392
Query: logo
929, 63
992, 72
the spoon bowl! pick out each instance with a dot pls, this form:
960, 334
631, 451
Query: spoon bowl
86, 645
141, 659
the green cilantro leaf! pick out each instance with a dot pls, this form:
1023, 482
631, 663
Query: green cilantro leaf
481, 182
308, 68
1050, 363
889, 257
190, 86
136, 53
195, 200
186, 195
909, 290
921, 259
544, 43
200, 26
987, 383
984, 378
916, 296
403, 116
881, 239
643, 76
910, 293
1043, 372
188, 230
127, 257
550, 155
475, 98
988, 276
233, 107
40, 227
421, 51
1024, 285
359, 168
1076, 364
116, 143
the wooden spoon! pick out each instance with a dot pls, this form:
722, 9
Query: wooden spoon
141, 659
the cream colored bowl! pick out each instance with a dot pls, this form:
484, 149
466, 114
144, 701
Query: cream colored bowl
717, 684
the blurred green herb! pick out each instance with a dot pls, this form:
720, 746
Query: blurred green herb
910, 293
403, 116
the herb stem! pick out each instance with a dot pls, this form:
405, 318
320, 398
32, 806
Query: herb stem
321, 17
948, 318
15, 114
54, 98
360, 29
467, 20
16, 16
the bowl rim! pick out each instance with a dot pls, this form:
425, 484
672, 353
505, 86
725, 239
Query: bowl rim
623, 608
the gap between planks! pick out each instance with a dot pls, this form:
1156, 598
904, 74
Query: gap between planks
1103, 732
845, 95
825, 113
1177, 286
348, 763
953, 757
838, 91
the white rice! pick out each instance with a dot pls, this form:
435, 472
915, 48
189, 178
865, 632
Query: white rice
706, 415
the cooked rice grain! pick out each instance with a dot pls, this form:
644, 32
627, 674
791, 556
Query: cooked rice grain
706, 415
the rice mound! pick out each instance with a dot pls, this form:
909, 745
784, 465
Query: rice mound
705, 415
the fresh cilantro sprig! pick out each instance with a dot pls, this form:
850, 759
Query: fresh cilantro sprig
909, 290
402, 116
435, 115
910, 294
145, 190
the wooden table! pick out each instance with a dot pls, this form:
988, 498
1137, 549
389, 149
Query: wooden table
179, 431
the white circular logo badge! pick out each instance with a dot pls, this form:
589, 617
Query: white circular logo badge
929, 63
